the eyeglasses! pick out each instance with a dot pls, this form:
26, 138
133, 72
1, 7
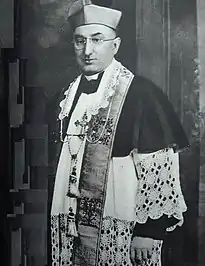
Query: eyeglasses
80, 42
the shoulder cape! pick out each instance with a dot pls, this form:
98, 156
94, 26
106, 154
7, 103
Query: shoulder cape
148, 121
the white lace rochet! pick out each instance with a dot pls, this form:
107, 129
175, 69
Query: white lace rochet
159, 190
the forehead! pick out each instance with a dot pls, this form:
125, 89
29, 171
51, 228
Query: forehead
89, 30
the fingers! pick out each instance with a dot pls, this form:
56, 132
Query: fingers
141, 251
149, 253
144, 254
132, 257
138, 258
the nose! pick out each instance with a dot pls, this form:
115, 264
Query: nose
88, 47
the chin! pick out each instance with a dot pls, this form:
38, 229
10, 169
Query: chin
89, 70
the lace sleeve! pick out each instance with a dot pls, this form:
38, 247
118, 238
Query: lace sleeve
159, 190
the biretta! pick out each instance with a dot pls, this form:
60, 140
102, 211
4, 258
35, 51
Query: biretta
85, 13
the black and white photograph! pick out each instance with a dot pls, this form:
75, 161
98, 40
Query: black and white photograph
103, 132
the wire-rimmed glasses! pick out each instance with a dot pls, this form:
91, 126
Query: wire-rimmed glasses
80, 41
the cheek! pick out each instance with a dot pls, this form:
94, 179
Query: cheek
78, 54
107, 53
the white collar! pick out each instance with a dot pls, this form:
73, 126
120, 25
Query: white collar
92, 77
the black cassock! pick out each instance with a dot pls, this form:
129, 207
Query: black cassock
147, 122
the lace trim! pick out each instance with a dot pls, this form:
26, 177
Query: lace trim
114, 245
67, 102
62, 243
159, 191
105, 91
107, 88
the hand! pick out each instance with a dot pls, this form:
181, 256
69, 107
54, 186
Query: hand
140, 250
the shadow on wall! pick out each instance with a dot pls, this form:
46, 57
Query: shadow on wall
46, 44
6, 23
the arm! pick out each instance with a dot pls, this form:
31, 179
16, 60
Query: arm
156, 128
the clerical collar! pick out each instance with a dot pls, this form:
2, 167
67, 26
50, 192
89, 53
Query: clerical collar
92, 77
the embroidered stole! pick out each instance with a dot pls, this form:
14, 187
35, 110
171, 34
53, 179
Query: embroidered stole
94, 173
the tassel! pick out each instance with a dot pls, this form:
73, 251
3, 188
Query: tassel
72, 231
71, 226
73, 191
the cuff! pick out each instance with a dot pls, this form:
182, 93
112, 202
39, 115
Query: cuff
155, 229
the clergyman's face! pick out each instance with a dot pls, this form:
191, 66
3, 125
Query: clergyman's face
95, 56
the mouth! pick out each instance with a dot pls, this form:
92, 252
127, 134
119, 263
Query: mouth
89, 61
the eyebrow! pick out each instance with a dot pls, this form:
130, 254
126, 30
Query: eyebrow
96, 34
92, 35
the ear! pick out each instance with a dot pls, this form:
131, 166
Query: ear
116, 44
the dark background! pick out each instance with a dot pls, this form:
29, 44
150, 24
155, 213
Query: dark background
162, 40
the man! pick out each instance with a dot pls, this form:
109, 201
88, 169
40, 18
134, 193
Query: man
117, 190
